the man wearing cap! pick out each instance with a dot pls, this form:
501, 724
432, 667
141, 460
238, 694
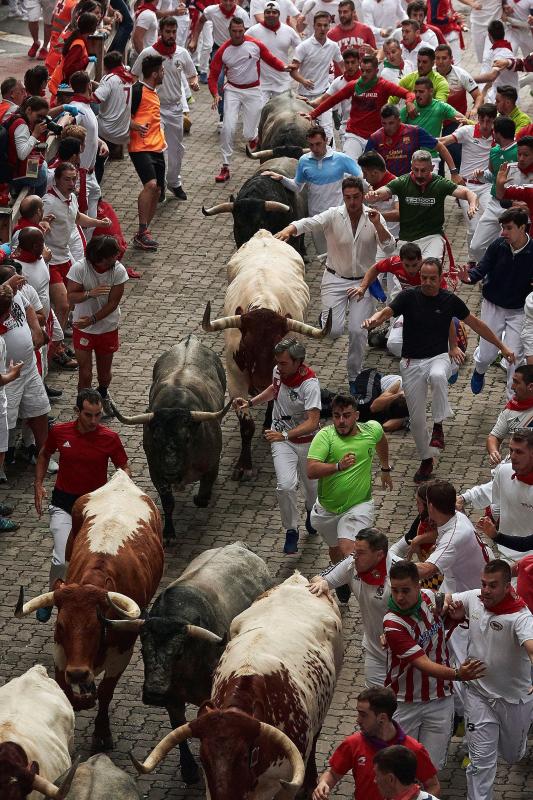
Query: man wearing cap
279, 38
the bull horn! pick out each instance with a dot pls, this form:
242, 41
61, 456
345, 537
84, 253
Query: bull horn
162, 749
259, 153
22, 609
219, 324
137, 419
124, 605
202, 633
293, 755
221, 208
207, 416
273, 205
310, 330
44, 786
128, 625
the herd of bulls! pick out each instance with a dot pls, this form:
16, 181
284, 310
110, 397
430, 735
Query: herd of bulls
260, 661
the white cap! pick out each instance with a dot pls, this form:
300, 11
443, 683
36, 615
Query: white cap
272, 4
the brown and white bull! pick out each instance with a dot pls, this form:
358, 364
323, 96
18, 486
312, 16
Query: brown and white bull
36, 737
115, 556
271, 692
266, 298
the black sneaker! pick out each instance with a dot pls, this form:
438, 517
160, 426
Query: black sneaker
144, 241
424, 471
343, 593
52, 393
178, 192
291, 542
162, 195
309, 528
10, 455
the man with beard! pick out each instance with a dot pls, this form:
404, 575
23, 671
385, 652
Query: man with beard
279, 38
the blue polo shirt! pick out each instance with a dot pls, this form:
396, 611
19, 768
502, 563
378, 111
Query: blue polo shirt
323, 178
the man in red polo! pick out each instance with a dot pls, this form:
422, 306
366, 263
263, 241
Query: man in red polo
350, 33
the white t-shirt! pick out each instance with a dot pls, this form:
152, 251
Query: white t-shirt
183, 20
290, 404
459, 554
17, 336
65, 211
315, 60
458, 78
512, 503
382, 14
506, 77
171, 90
490, 9
221, 22
38, 277
147, 20
88, 120
395, 75
312, 7
476, 150
114, 112
497, 639
508, 421
82, 272
410, 56
280, 43
286, 9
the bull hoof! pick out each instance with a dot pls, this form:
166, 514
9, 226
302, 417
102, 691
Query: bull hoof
101, 744
201, 502
190, 773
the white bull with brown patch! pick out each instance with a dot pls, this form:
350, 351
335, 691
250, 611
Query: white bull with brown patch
271, 692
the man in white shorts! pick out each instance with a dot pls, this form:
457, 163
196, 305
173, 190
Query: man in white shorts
340, 457
6, 376
295, 391
280, 40
498, 704
35, 9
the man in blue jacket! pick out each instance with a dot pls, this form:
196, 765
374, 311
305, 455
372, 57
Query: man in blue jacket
506, 270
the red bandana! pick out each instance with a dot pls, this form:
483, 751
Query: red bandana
375, 576
387, 178
164, 49
145, 7
303, 374
520, 405
124, 74
501, 43
410, 49
275, 27
527, 478
25, 223
80, 98
409, 794
67, 201
26, 256
510, 604
477, 134
228, 14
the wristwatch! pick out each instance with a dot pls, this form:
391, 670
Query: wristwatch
285, 435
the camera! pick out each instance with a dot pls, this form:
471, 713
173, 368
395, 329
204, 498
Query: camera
52, 126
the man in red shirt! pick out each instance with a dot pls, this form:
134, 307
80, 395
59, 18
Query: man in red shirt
521, 194
368, 94
395, 775
350, 33
85, 448
375, 708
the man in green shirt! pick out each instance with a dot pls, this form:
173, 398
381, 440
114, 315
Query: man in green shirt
425, 61
340, 457
506, 97
421, 196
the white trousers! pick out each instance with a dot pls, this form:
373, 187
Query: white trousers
493, 727
501, 321
93, 196
395, 337
523, 39
487, 229
417, 375
458, 648
60, 527
454, 42
431, 724
333, 527
478, 34
527, 337
482, 191
375, 669
354, 146
204, 47
290, 463
250, 102
334, 296
431, 246
172, 122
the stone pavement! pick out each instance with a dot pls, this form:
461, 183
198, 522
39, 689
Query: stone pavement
166, 304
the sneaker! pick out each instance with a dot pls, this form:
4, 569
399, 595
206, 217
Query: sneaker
203, 78
29, 453
44, 614
7, 525
343, 593
162, 195
53, 467
291, 542
437, 437
453, 378
144, 241
223, 175
10, 455
42, 55
34, 49
424, 471
132, 274
52, 393
3, 477
353, 388
252, 143
178, 192
309, 528
477, 382
6, 510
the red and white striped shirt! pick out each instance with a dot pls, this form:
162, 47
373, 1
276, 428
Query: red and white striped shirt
242, 64
409, 638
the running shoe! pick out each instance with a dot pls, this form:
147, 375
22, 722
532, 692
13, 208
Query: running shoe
424, 471
44, 614
34, 49
223, 175
437, 437
42, 55
477, 381
144, 241
291, 542
7, 525
309, 528
178, 192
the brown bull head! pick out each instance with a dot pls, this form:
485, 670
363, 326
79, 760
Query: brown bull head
18, 778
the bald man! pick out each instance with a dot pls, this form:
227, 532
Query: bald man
31, 216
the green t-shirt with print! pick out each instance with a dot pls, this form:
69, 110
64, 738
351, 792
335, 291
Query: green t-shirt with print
430, 118
421, 210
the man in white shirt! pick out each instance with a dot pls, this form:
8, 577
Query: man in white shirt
312, 58
220, 16
295, 391
498, 704
145, 27
410, 42
177, 63
7, 374
516, 20
383, 16
280, 40
393, 67
351, 72
482, 13
113, 94
518, 412
500, 48
287, 12
353, 233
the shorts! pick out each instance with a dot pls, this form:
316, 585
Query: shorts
333, 527
149, 167
26, 397
59, 272
99, 342
34, 9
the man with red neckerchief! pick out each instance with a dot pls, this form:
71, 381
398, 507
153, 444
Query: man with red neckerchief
350, 33
498, 704
279, 38
395, 775
145, 29
411, 42
295, 391
442, 15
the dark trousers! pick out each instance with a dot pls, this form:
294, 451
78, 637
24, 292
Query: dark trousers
455, 149
124, 30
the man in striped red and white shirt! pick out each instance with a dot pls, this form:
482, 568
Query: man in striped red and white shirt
414, 631
241, 58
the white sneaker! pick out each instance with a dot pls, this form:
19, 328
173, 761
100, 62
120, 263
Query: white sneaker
3, 478
53, 467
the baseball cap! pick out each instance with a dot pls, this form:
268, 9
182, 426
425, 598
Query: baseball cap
273, 5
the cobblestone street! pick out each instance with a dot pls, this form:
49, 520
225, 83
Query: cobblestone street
158, 310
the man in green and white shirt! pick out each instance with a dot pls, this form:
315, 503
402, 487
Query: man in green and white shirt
340, 457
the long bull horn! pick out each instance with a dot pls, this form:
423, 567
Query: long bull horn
128, 625
208, 416
219, 324
273, 205
259, 153
137, 419
293, 755
310, 330
22, 609
124, 605
162, 749
221, 208
44, 786
196, 632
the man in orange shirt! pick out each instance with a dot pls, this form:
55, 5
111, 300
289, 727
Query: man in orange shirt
147, 145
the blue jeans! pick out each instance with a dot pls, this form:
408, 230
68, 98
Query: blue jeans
38, 184
125, 28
